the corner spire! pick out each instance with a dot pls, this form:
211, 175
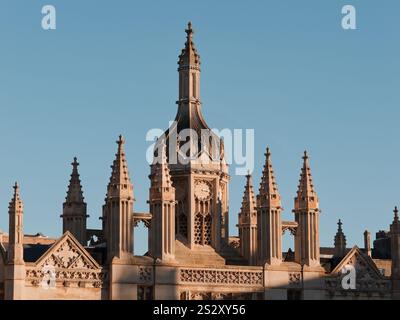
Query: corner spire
248, 209
268, 192
16, 202
340, 241
161, 177
162, 207
248, 223
74, 192
269, 221
120, 183
396, 214
74, 213
306, 196
15, 228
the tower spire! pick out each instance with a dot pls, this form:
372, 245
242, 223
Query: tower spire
74, 208
189, 56
189, 71
248, 223
269, 221
197, 167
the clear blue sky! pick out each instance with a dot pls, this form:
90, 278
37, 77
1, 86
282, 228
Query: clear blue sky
285, 68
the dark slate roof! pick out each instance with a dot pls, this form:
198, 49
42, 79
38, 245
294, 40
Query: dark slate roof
32, 252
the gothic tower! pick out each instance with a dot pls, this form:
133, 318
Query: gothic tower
306, 211
248, 224
198, 170
74, 208
269, 223
395, 253
15, 268
340, 242
118, 208
162, 208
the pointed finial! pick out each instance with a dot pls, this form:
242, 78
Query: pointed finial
16, 188
268, 153
249, 178
163, 152
189, 31
340, 225
305, 156
75, 163
121, 140
396, 213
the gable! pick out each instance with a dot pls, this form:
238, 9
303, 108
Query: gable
363, 264
68, 253
368, 279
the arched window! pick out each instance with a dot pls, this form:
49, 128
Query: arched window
202, 229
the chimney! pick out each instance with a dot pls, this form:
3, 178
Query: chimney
367, 242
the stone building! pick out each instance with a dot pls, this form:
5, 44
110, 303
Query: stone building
191, 254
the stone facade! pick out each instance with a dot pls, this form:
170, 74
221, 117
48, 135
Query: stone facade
191, 255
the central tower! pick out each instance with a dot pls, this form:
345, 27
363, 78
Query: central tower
198, 170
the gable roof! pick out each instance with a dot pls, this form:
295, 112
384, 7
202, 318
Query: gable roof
32, 252
68, 253
358, 259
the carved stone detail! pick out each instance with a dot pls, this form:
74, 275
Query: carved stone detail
69, 266
295, 279
145, 274
202, 295
221, 276
367, 280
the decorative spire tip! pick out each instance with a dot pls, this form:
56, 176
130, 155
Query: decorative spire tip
268, 153
16, 188
121, 140
75, 163
189, 30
